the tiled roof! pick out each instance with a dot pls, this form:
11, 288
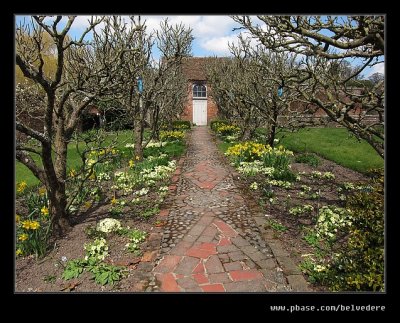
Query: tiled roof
195, 67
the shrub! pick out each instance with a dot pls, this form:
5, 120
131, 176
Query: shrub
359, 266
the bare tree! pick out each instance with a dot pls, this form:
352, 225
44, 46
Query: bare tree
231, 89
163, 83
376, 78
324, 44
247, 88
84, 71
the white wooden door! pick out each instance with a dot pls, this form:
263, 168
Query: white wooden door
200, 112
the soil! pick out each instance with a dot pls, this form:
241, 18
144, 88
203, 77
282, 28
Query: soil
292, 239
45, 275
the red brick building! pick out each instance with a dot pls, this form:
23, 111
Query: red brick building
199, 109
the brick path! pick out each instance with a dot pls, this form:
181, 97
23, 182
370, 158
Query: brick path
212, 242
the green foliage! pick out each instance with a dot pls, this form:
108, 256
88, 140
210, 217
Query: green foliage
92, 233
174, 149
50, 279
136, 237
148, 213
283, 175
277, 226
116, 210
267, 191
308, 158
316, 273
73, 269
311, 238
106, 274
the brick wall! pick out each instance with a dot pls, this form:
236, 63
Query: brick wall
212, 109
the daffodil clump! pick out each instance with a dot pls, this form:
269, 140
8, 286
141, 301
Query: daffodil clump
33, 230
250, 151
173, 135
226, 130
31, 235
247, 151
21, 186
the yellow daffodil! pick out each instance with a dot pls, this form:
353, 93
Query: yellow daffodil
21, 187
42, 191
23, 237
114, 201
34, 225
17, 218
72, 172
131, 163
26, 224
137, 157
44, 211
18, 252
88, 204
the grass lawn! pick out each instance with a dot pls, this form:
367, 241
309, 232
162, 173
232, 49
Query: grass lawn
333, 144
22, 173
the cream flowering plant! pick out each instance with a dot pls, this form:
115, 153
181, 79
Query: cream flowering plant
330, 220
97, 250
108, 225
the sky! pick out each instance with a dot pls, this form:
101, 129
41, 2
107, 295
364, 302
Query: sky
211, 34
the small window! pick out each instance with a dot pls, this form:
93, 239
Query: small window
199, 91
